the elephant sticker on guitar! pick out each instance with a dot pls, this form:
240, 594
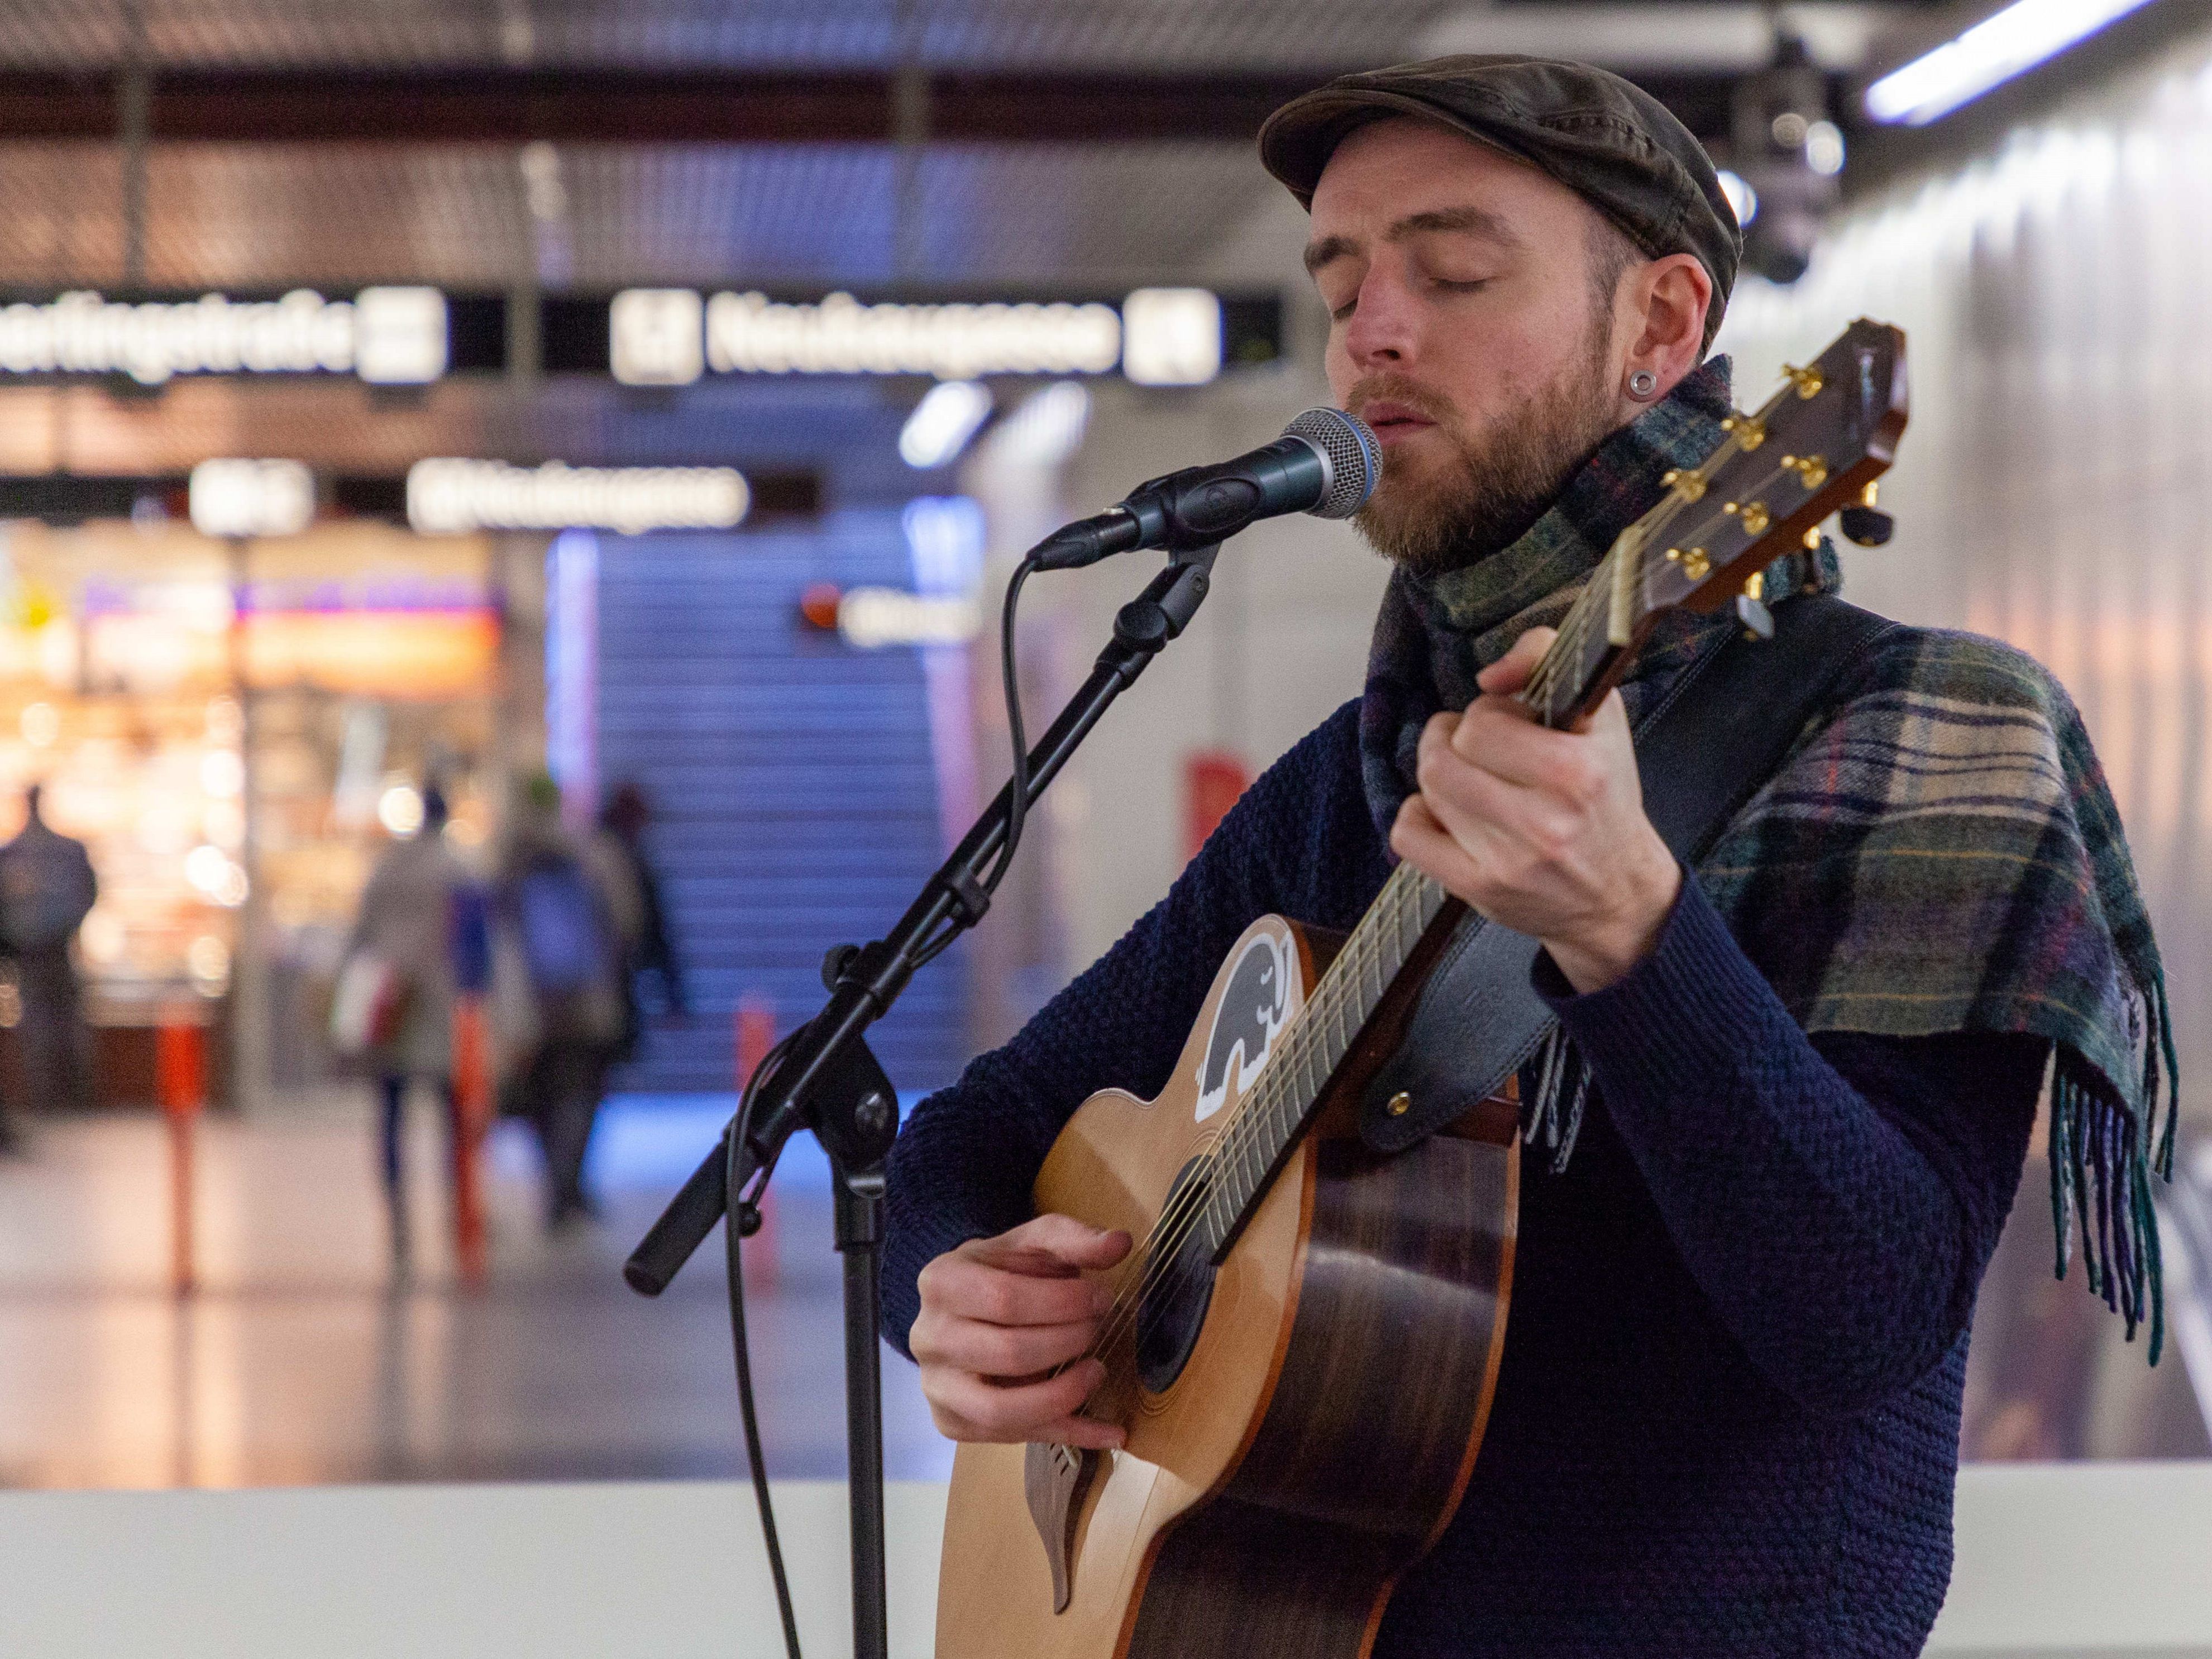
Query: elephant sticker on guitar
1251, 1014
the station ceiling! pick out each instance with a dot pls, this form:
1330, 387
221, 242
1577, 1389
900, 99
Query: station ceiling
595, 143
1194, 35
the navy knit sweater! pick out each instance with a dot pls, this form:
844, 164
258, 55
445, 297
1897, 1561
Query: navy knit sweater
1727, 1418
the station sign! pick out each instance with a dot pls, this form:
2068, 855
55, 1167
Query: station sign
870, 619
253, 499
449, 496
673, 337
384, 336
410, 335
250, 498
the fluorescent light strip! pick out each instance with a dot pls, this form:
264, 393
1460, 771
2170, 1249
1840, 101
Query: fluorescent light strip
2014, 40
943, 422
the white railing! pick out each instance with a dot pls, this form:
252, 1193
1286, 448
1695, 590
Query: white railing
2060, 1559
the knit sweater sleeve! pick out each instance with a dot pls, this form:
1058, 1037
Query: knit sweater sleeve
1836, 1197
964, 1161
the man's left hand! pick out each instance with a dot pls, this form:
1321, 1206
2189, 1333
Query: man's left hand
1542, 831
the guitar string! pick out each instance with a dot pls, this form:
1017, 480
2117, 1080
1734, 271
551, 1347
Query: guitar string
1596, 591
1252, 1114
1308, 1018
1249, 1120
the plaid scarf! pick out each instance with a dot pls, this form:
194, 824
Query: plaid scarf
1939, 853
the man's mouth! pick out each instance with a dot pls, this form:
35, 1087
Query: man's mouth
1394, 423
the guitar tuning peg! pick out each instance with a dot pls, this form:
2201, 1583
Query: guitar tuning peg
1866, 527
1757, 621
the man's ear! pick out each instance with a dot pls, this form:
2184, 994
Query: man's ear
1661, 313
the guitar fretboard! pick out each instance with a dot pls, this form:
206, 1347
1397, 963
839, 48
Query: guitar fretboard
1270, 1119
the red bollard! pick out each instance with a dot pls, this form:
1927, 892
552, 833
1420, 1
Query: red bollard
471, 1122
179, 1059
1213, 780
756, 1036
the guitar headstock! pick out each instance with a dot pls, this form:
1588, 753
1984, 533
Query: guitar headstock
1816, 447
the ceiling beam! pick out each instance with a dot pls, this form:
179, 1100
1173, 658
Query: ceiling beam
499, 105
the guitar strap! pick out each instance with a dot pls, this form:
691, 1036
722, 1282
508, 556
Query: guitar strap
1703, 758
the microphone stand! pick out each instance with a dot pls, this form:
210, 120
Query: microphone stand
829, 1082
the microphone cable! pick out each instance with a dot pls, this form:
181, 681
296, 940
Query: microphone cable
1009, 671
739, 1211
1018, 787
741, 1214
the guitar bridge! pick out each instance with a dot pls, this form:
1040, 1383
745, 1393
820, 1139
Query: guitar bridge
1055, 1479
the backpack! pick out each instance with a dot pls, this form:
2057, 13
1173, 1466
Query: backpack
45, 890
564, 939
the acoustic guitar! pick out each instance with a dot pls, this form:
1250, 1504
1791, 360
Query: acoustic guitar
1306, 1334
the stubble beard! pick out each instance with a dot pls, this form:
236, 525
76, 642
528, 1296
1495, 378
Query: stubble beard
1494, 484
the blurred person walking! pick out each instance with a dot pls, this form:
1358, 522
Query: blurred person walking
652, 949
395, 1003
570, 912
46, 889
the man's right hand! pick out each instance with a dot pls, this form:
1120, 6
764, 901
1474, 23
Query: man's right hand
999, 1316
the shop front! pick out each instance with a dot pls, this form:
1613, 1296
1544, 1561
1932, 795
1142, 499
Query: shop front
234, 730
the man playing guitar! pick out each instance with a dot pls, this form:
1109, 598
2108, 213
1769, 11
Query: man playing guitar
1804, 1074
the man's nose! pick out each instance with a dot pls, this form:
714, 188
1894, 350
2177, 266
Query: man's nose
1381, 331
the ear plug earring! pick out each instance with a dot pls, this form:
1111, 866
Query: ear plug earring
1643, 383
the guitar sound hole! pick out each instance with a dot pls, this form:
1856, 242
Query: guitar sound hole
1172, 1309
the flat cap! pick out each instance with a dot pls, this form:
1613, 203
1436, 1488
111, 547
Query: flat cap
1610, 142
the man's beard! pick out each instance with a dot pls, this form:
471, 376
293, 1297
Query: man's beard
1487, 493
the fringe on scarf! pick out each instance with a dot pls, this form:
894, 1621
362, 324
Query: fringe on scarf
2103, 1158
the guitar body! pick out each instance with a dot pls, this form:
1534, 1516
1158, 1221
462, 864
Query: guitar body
1297, 1436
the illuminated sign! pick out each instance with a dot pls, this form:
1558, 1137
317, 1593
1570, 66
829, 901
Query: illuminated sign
1156, 337
870, 619
411, 335
652, 336
452, 496
386, 336
749, 333
1174, 336
942, 424
387, 634
275, 498
250, 498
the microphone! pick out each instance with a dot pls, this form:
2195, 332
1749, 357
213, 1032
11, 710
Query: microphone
1326, 462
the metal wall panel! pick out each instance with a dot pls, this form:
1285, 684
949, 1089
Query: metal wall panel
2051, 489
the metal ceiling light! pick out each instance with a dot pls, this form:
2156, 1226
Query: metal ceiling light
1993, 52
942, 424
1786, 154
1742, 199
